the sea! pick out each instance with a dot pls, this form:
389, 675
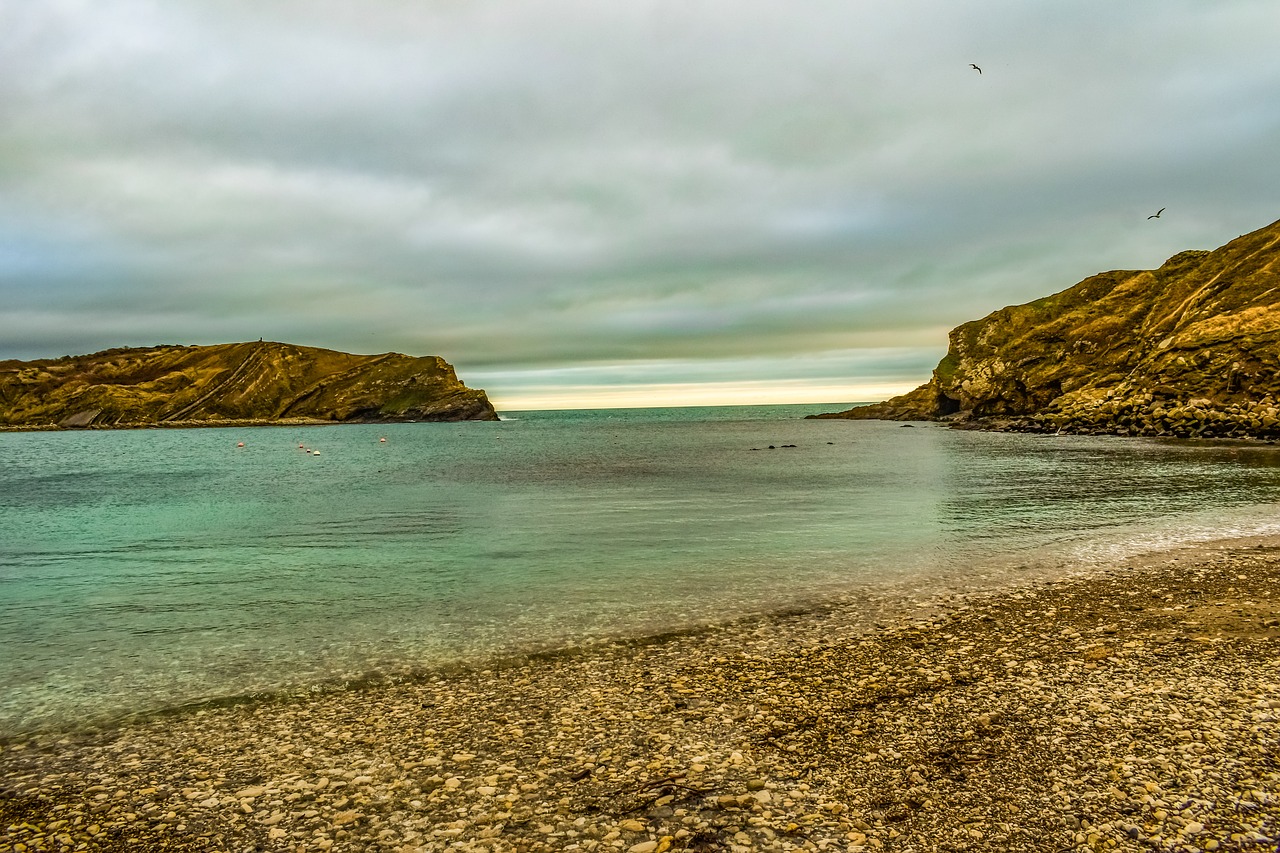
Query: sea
145, 570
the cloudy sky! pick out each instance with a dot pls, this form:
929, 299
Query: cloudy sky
603, 203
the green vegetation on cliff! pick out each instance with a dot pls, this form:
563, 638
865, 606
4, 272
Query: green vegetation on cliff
1189, 349
261, 382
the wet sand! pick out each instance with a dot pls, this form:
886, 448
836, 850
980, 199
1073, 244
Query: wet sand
1134, 709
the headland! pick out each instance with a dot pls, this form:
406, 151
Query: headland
244, 384
1187, 350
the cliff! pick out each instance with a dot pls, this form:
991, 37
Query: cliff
1189, 349
261, 382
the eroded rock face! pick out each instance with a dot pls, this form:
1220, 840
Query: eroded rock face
233, 383
1190, 349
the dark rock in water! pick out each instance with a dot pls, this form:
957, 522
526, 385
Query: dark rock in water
1187, 350
249, 383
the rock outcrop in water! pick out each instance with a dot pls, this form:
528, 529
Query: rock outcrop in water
260, 382
1190, 349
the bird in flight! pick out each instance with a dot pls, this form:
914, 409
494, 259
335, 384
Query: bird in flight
975, 68
1156, 215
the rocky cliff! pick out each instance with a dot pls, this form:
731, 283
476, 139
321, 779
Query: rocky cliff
261, 382
1189, 349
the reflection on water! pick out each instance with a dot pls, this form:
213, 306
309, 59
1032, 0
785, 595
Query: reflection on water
141, 569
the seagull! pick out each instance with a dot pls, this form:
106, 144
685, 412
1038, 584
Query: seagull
1156, 215
975, 68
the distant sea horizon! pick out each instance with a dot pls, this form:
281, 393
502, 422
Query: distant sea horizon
822, 406
146, 569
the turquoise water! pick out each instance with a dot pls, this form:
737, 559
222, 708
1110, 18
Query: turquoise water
145, 569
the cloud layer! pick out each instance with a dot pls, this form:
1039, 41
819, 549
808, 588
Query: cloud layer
585, 193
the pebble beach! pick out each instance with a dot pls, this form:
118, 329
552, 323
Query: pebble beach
1136, 708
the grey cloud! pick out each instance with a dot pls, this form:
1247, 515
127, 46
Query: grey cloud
514, 185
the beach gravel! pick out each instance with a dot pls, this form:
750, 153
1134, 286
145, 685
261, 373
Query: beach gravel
1130, 709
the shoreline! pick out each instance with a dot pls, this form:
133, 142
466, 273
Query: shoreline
1137, 707
244, 422
227, 424
849, 612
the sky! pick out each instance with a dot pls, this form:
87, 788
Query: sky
583, 203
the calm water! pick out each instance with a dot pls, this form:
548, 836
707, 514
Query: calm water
150, 568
